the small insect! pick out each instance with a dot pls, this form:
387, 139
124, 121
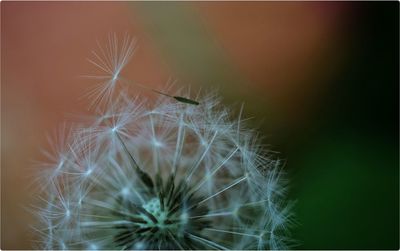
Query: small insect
177, 98
180, 99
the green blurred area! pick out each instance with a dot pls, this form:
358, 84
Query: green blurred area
343, 165
346, 177
347, 194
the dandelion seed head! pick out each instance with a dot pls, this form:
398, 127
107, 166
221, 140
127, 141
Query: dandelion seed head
172, 175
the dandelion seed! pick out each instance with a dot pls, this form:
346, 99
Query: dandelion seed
171, 176
110, 61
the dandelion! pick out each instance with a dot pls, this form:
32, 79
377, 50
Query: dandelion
174, 175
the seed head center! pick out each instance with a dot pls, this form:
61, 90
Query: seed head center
153, 206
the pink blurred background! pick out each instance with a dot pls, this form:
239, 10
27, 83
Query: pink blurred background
269, 61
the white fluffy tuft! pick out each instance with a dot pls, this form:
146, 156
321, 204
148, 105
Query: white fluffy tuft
232, 193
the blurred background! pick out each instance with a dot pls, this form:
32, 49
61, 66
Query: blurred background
319, 80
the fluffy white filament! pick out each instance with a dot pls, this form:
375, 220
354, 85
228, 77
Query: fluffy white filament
222, 163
